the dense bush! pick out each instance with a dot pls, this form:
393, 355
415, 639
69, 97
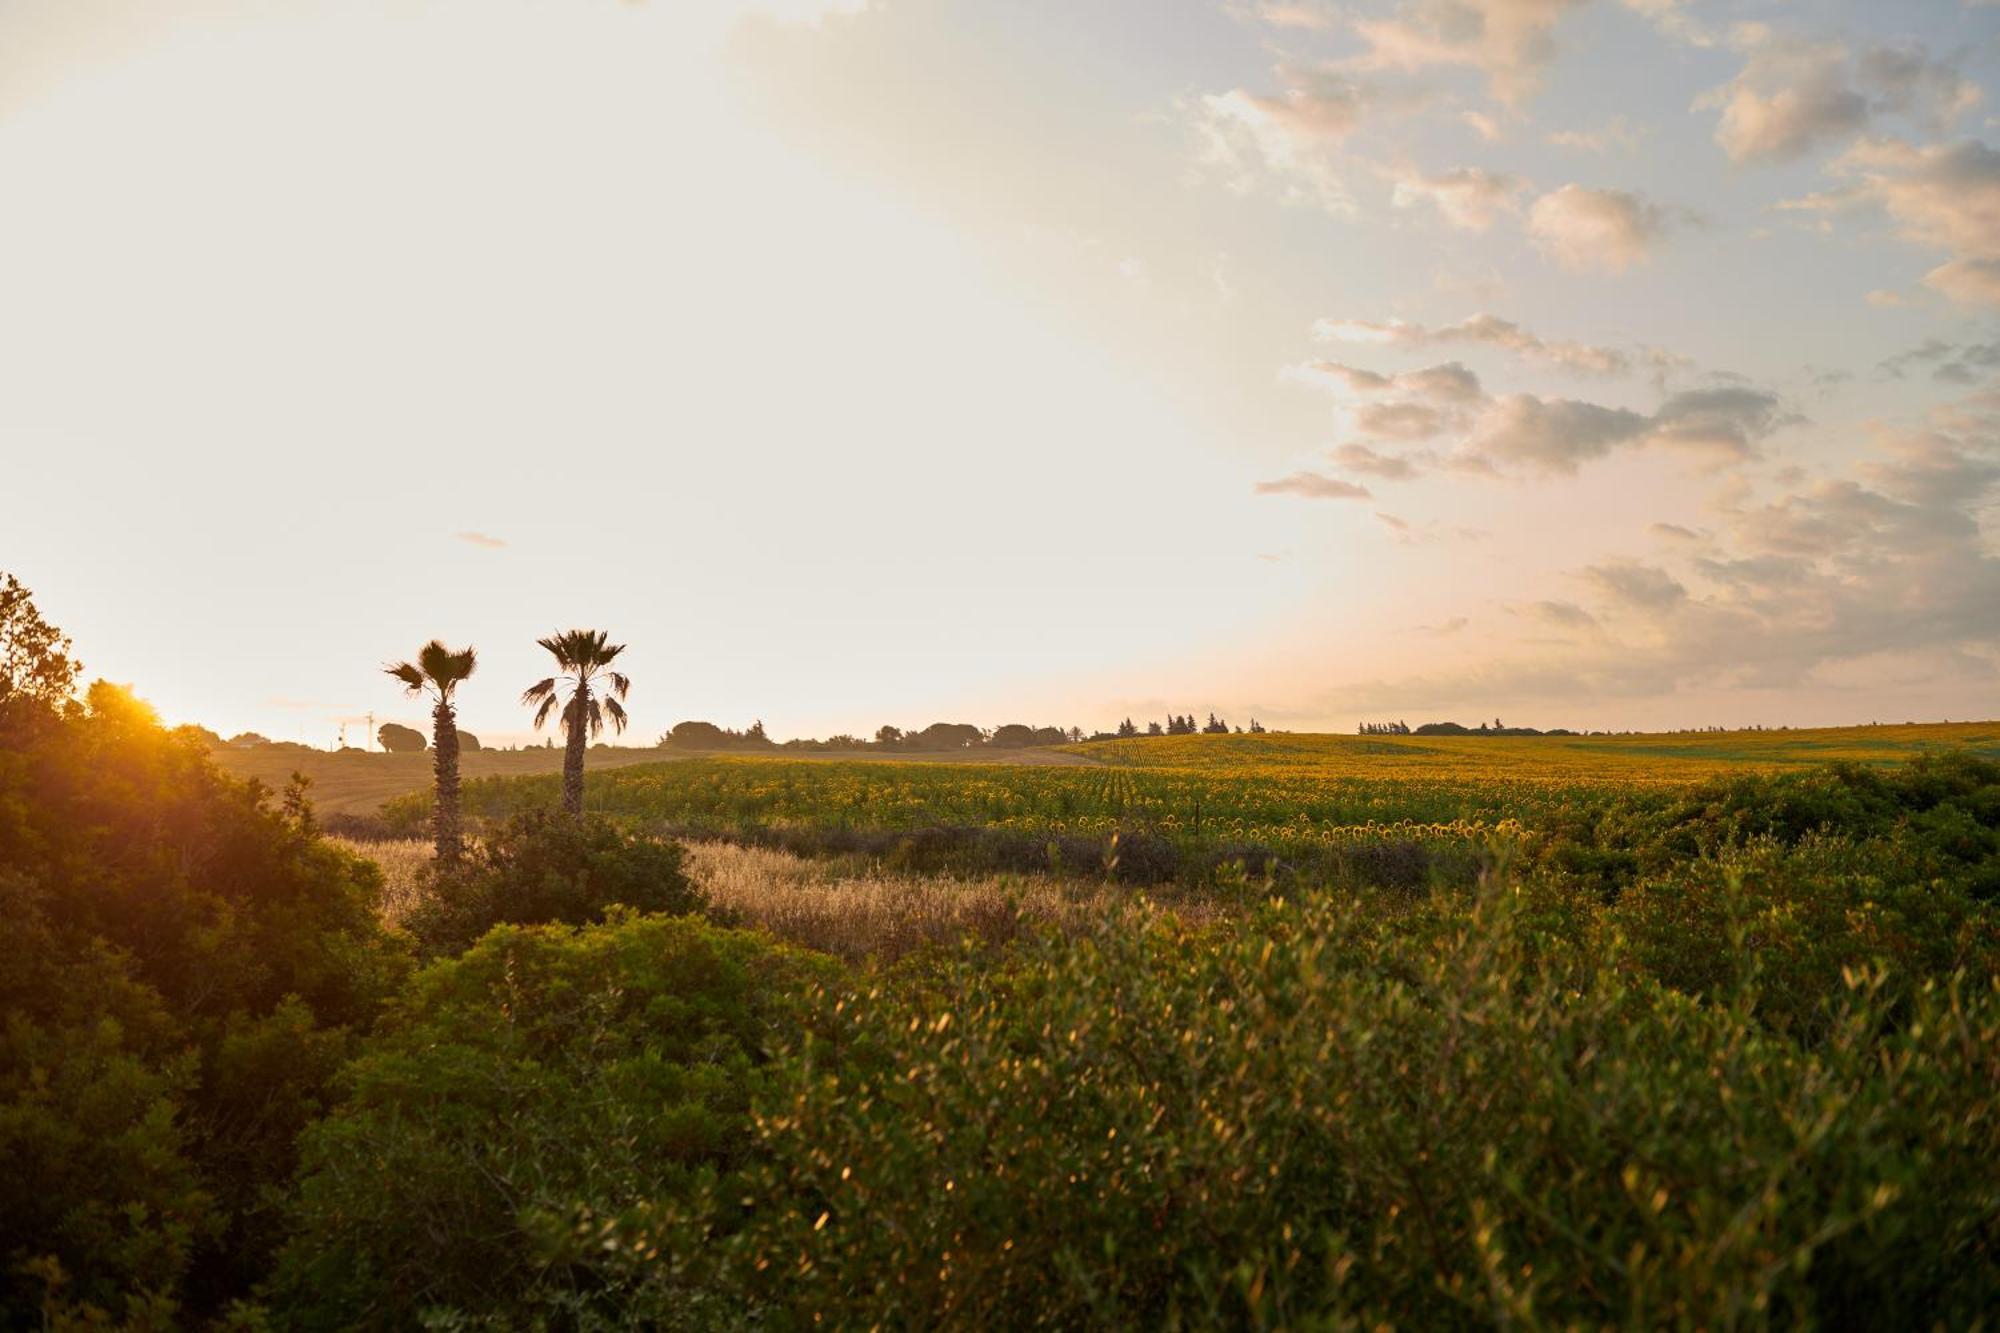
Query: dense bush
522, 1097
1935, 818
1326, 1116
546, 867
181, 968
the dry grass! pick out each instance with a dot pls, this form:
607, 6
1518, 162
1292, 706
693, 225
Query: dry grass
883, 917
858, 917
400, 860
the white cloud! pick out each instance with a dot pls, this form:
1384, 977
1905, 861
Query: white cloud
1313, 486
1793, 95
1600, 230
1289, 135
1489, 330
1510, 42
1468, 198
1944, 195
1617, 133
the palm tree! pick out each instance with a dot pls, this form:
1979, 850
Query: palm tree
439, 670
582, 654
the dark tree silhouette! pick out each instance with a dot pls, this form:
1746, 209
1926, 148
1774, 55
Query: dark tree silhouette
581, 655
438, 671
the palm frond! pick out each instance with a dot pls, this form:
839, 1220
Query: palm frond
596, 716
445, 667
617, 713
542, 713
620, 685
541, 689
407, 672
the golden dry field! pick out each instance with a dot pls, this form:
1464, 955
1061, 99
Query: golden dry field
1666, 757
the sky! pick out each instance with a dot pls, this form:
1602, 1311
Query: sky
1587, 363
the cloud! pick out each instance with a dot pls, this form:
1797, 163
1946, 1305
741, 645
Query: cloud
1627, 583
1314, 486
1674, 532
1950, 363
1467, 198
1367, 462
1552, 435
1887, 566
1555, 436
1561, 614
1793, 95
1489, 330
1945, 196
1967, 281
1617, 133
1787, 98
1289, 135
1510, 42
479, 539
1449, 382
1400, 421
1596, 230
1724, 422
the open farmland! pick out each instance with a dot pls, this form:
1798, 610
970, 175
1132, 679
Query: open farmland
1182, 805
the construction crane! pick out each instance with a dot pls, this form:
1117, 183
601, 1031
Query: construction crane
368, 737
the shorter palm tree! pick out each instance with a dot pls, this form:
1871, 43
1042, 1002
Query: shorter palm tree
582, 654
438, 671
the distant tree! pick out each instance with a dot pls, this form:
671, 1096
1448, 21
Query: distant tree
1256, 727
1126, 728
581, 655
468, 741
697, 736
755, 735
888, 736
1050, 736
36, 668
1013, 736
1216, 726
1075, 735
394, 737
1155, 729
947, 736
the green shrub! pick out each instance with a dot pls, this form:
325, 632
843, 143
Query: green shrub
180, 967
1936, 817
543, 867
545, 1080
1326, 1117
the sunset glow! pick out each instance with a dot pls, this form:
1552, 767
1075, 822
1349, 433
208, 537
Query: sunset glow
1594, 364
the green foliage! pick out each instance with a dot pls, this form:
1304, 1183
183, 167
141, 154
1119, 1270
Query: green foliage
547, 1084
1328, 1118
37, 669
1935, 818
543, 867
181, 966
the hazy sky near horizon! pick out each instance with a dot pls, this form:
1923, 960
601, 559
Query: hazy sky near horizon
1582, 362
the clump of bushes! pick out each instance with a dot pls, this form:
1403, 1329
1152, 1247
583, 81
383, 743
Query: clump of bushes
181, 970
1934, 818
541, 867
548, 1087
1324, 1118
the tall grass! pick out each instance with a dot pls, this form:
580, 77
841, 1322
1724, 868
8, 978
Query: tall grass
860, 916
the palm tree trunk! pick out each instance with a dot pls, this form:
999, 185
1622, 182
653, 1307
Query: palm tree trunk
445, 827
576, 716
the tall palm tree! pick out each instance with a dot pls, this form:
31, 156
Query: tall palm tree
438, 671
581, 654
